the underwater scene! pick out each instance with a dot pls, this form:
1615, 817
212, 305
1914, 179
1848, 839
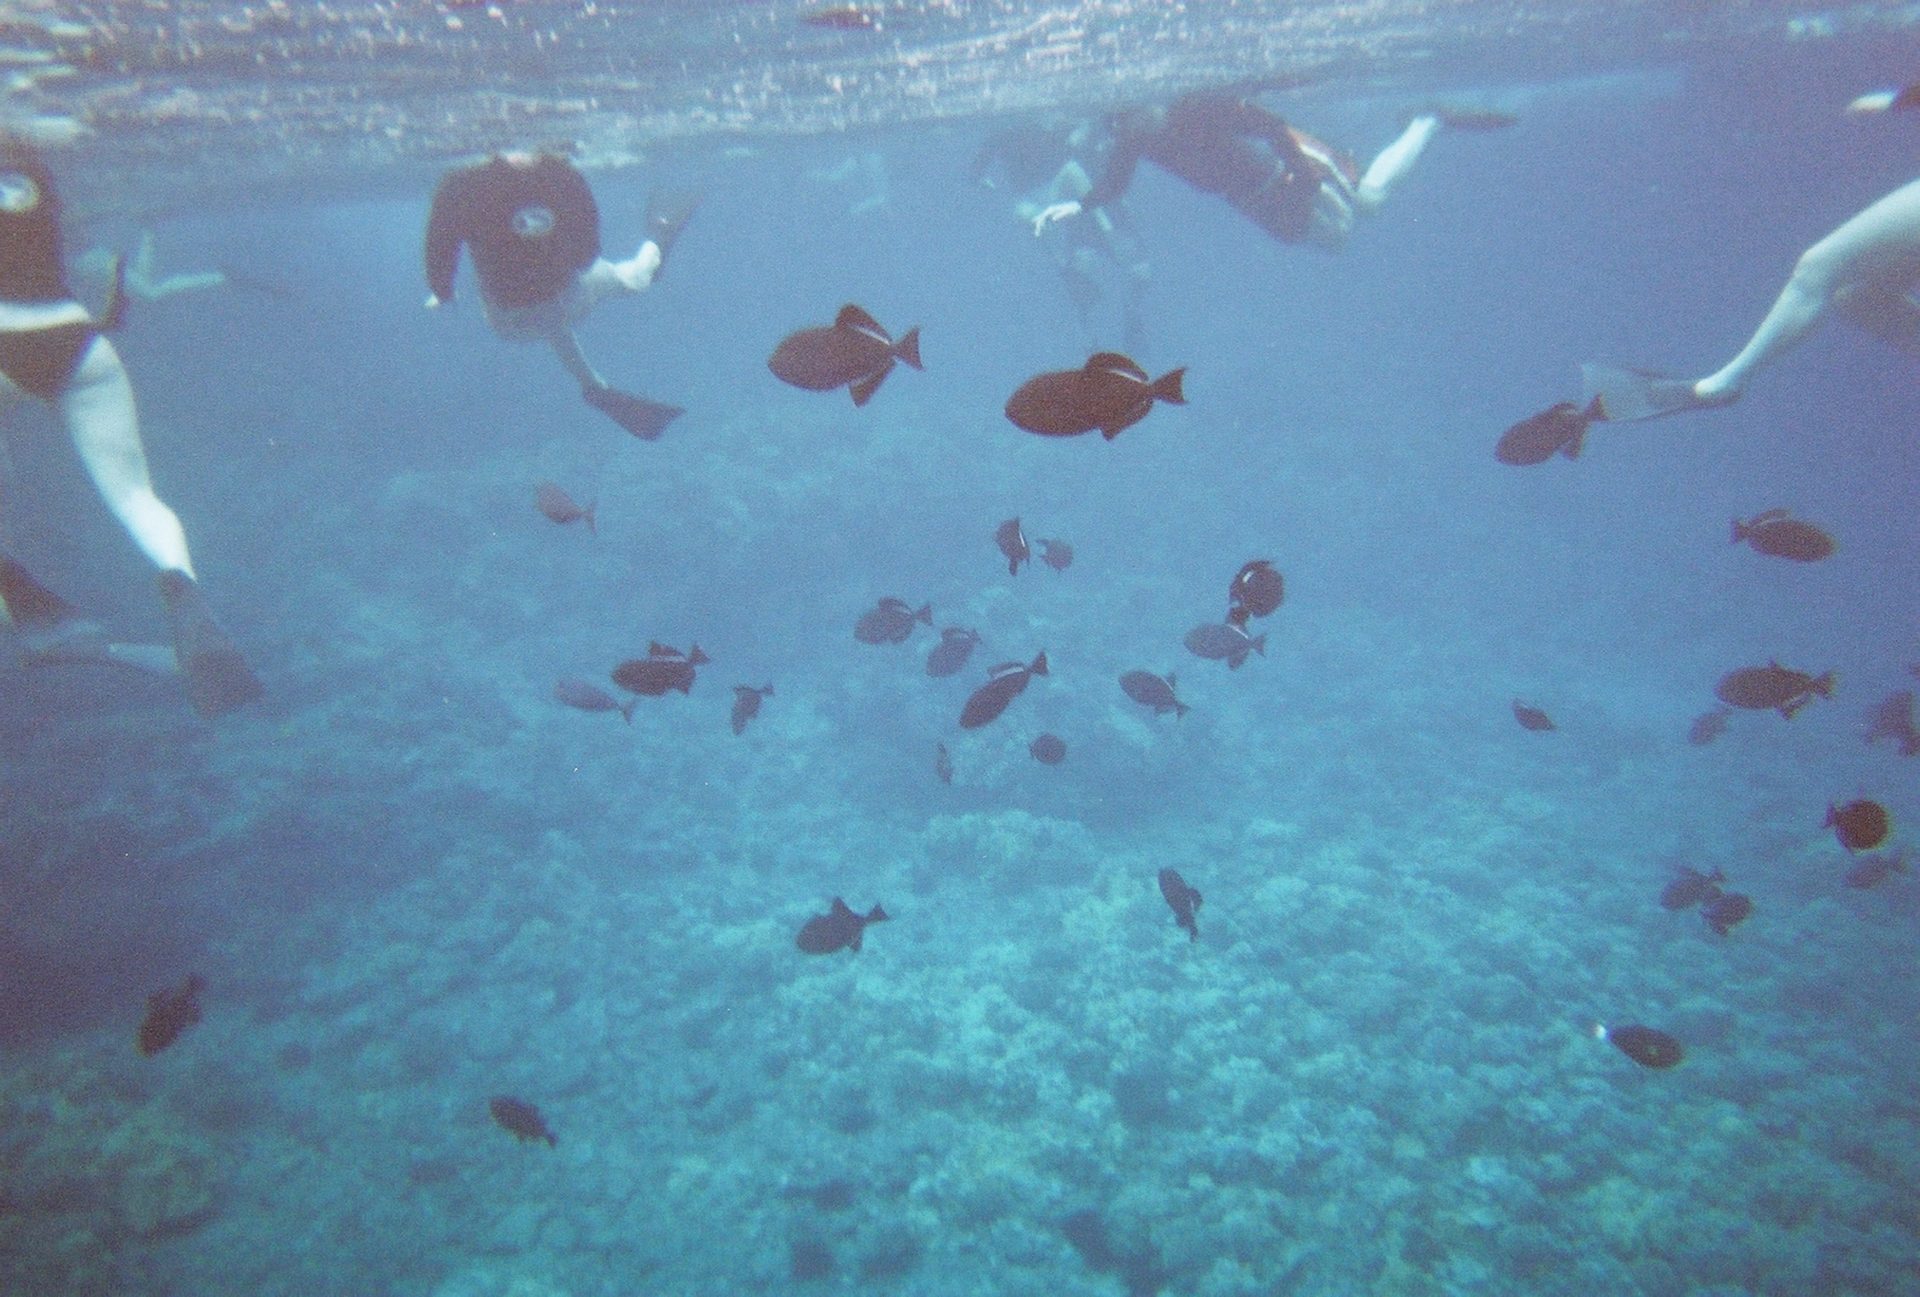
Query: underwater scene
1267, 649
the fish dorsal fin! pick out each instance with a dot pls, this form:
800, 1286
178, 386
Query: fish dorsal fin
839, 909
891, 603
852, 317
655, 649
1112, 362
1763, 518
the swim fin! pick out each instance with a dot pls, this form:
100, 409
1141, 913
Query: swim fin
1627, 395
113, 312
667, 214
643, 418
51, 630
218, 679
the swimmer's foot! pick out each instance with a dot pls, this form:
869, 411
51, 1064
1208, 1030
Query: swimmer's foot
668, 214
218, 679
1627, 395
643, 418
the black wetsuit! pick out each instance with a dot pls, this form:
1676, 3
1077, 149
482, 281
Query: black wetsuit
532, 230
32, 272
1221, 145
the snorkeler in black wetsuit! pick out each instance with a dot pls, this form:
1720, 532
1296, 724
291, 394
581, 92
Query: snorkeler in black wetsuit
534, 232
1296, 188
53, 349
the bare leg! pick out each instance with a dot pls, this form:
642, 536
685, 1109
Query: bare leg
1876, 252
567, 347
98, 410
1393, 163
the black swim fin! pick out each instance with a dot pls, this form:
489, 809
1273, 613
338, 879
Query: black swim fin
218, 679
643, 418
51, 630
667, 214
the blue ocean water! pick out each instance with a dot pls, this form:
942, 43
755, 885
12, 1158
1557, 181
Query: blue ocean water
413, 881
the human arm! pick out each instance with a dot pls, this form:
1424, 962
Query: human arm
447, 226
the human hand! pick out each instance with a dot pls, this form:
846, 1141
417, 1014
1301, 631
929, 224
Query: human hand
1054, 212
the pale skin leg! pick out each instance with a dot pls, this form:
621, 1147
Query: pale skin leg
1871, 261
553, 322
98, 411
1392, 163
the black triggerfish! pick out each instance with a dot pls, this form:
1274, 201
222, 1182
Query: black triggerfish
1004, 684
521, 1119
1109, 392
853, 352
1557, 430
1182, 900
168, 1014
1647, 1046
838, 929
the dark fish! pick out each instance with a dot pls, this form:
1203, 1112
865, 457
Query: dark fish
1012, 543
1776, 534
521, 1119
951, 653
1256, 590
746, 704
853, 352
838, 929
1860, 825
1893, 719
559, 507
1725, 911
1048, 749
1708, 726
1109, 392
844, 18
890, 621
662, 669
168, 1014
942, 763
1689, 888
1224, 642
1531, 718
1772, 687
1005, 683
1056, 554
1647, 1046
1873, 870
1182, 900
1150, 690
1557, 430
591, 698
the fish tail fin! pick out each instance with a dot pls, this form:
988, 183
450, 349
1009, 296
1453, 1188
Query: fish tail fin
877, 915
696, 657
1739, 532
925, 614
1824, 685
587, 514
908, 348
1180, 709
626, 709
766, 690
1039, 664
862, 391
1596, 411
1167, 386
1260, 645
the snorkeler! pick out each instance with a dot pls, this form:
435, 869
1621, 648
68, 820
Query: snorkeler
1048, 163
52, 348
1295, 187
1867, 270
534, 232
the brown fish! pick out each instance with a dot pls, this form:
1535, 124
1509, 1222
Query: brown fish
1056, 554
1776, 534
1772, 687
662, 669
1859, 825
1531, 718
890, 621
1048, 749
1004, 683
1255, 591
1182, 900
168, 1014
591, 698
1013, 543
1893, 719
521, 1119
1725, 911
1708, 726
746, 704
559, 507
1557, 430
1224, 642
838, 929
1150, 690
1647, 1046
951, 653
1109, 392
853, 352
